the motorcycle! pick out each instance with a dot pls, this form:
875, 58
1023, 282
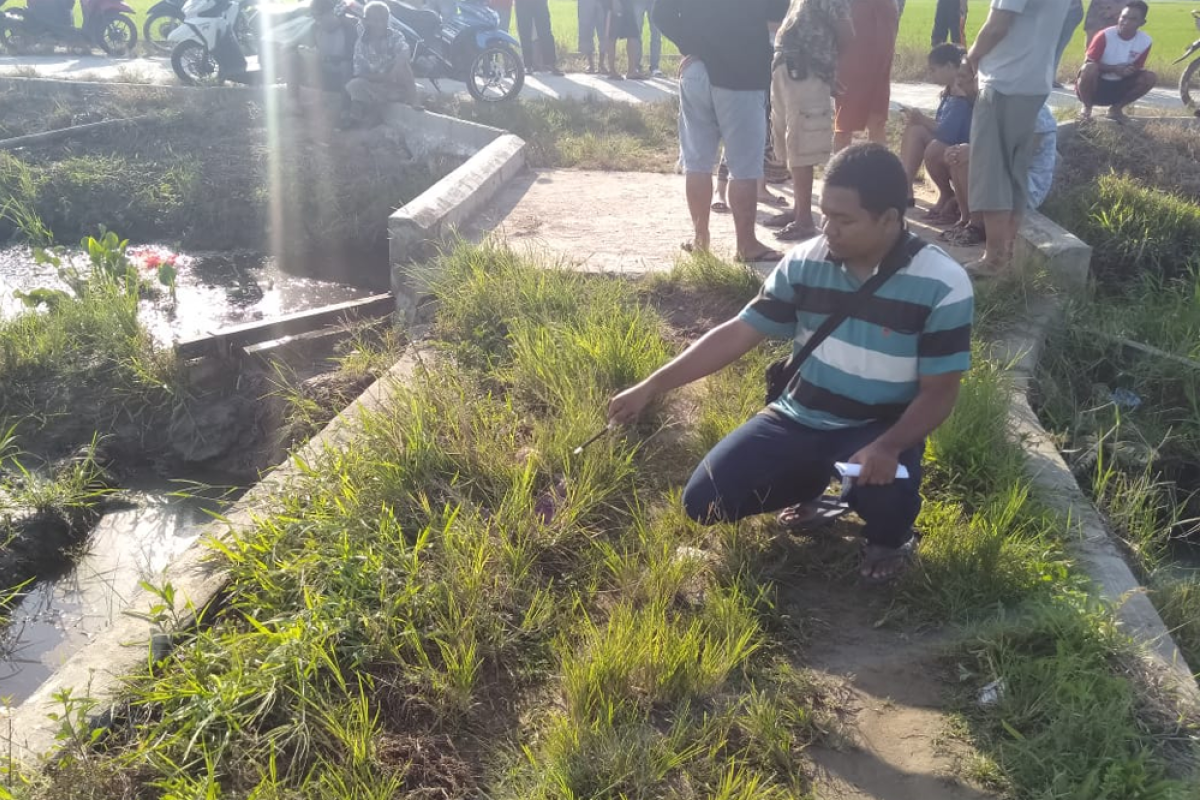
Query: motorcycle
167, 15
1190, 79
463, 43
50, 23
205, 45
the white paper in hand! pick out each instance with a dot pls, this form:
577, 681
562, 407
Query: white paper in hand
853, 470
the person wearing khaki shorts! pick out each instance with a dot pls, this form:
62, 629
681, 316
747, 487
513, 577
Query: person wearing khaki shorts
803, 74
802, 132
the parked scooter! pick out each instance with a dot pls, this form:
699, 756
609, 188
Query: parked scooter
463, 43
205, 47
167, 15
1189, 81
46, 24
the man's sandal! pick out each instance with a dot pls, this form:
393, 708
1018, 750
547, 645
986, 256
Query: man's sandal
894, 560
814, 517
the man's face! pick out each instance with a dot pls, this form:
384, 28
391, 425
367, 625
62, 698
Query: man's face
852, 231
1129, 22
376, 20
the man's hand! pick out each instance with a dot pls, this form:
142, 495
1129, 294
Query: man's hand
878, 464
629, 404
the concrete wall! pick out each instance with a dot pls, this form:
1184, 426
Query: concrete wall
416, 229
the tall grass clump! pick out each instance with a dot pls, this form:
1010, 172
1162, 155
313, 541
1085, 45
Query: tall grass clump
76, 360
1133, 228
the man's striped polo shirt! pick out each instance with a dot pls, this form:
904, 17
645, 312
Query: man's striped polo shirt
917, 323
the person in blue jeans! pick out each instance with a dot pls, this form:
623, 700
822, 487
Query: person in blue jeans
926, 139
869, 394
641, 12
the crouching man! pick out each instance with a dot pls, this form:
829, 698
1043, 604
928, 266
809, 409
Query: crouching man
868, 394
382, 70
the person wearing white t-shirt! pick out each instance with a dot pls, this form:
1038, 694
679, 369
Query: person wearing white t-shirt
1115, 73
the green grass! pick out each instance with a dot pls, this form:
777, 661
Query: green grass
458, 604
83, 363
583, 134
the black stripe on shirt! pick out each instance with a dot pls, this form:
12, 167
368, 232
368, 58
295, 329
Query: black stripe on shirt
944, 343
898, 315
774, 309
820, 399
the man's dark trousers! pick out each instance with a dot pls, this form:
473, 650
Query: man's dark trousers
947, 22
772, 462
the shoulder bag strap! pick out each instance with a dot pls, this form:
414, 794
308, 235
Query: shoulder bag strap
897, 259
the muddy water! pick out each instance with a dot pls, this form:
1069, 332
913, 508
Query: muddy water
215, 291
62, 613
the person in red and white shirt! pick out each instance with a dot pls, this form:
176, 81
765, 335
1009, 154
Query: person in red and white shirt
1115, 73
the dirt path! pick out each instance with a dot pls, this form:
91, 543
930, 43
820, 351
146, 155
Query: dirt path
622, 222
898, 748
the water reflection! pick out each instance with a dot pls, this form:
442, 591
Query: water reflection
62, 613
214, 292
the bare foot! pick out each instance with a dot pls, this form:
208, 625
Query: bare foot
1117, 115
1085, 115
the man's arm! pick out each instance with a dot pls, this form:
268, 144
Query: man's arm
712, 352
933, 404
995, 28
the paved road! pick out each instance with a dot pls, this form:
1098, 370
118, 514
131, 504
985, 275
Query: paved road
575, 85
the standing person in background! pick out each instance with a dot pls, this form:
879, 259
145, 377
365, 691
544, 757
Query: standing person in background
641, 13
803, 75
949, 20
1013, 58
591, 17
1070, 24
503, 9
537, 39
864, 73
723, 83
620, 24
1101, 14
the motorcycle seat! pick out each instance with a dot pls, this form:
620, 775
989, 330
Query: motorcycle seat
424, 21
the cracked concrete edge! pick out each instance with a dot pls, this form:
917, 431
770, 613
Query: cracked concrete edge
1061, 254
100, 669
418, 228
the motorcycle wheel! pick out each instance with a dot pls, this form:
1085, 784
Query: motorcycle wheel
118, 36
158, 27
1189, 81
193, 64
496, 74
12, 36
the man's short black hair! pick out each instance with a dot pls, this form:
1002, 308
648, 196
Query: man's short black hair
946, 53
875, 173
1141, 6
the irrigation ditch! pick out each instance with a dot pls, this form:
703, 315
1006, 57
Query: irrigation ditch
149, 384
160, 617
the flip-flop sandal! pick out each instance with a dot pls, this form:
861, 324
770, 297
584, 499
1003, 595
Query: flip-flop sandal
795, 233
779, 220
720, 208
766, 255
874, 555
777, 200
615, 76
824, 511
